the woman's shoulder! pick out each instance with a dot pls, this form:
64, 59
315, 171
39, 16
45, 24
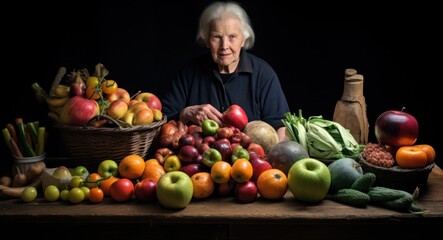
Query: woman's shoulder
257, 62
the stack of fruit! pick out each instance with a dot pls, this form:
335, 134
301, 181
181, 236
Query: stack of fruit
82, 96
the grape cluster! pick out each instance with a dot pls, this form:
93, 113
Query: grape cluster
376, 154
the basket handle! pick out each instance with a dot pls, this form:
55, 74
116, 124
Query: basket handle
108, 121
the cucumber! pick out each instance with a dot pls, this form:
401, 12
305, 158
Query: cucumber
364, 183
351, 197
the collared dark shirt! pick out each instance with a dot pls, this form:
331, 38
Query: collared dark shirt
254, 86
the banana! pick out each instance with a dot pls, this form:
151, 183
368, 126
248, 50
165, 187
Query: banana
56, 101
54, 116
15, 192
61, 91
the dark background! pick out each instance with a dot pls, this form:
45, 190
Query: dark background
143, 43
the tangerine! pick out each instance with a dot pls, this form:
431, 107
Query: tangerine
106, 185
241, 170
203, 185
153, 170
132, 166
272, 184
221, 172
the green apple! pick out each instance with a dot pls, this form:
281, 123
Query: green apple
209, 127
174, 190
172, 163
108, 168
309, 180
210, 156
80, 171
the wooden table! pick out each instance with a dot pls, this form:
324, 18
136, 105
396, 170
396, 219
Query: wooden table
223, 218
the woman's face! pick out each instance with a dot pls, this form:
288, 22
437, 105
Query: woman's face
225, 43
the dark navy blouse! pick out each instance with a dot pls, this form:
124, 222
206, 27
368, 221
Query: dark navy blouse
254, 86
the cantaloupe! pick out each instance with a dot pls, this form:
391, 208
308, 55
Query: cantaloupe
262, 133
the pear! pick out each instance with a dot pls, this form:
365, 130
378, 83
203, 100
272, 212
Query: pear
62, 172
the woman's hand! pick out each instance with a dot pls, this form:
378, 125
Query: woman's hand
198, 113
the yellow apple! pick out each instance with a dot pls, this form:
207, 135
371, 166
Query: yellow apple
137, 106
117, 108
143, 116
120, 93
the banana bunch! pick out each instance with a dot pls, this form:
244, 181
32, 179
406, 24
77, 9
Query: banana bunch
56, 99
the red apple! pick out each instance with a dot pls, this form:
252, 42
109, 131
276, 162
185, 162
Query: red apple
122, 190
120, 93
246, 140
210, 140
78, 110
224, 147
254, 147
186, 139
235, 116
225, 189
187, 153
145, 190
151, 99
246, 192
225, 132
258, 166
162, 153
396, 128
168, 128
203, 147
192, 129
192, 168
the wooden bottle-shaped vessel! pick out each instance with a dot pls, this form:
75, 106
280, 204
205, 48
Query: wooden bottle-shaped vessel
350, 110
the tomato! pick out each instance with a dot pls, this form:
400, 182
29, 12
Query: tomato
429, 150
93, 93
96, 195
93, 180
411, 157
92, 81
109, 86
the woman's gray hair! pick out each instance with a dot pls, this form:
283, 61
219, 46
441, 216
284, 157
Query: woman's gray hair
215, 11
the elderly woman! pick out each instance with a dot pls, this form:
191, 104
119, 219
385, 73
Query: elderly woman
226, 75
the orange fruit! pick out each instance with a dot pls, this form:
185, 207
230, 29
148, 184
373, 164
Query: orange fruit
92, 180
272, 184
203, 185
429, 150
241, 170
131, 166
96, 195
411, 157
106, 185
221, 172
153, 170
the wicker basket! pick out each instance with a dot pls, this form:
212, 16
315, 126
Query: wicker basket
88, 146
398, 178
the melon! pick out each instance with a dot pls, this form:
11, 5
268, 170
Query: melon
285, 153
262, 133
344, 172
